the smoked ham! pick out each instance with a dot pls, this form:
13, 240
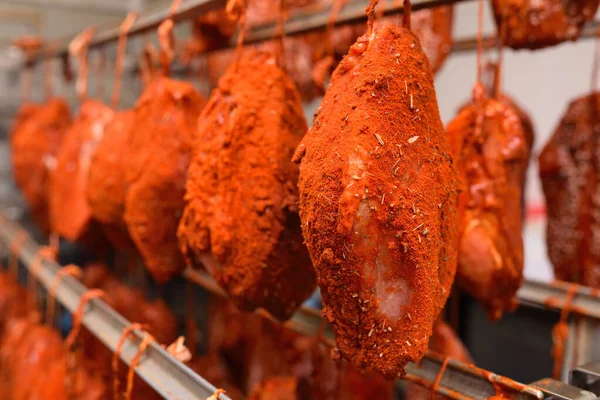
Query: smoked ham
491, 152
107, 186
70, 213
164, 123
240, 220
569, 172
433, 27
378, 202
35, 141
534, 24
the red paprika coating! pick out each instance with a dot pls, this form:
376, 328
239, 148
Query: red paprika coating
35, 140
534, 25
70, 212
107, 185
491, 152
378, 202
240, 220
164, 123
570, 170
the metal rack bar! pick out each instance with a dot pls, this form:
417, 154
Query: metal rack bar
169, 377
146, 21
351, 12
586, 301
299, 23
460, 381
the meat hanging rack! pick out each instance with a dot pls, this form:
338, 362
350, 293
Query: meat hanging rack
167, 376
299, 23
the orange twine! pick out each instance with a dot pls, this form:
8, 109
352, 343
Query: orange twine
70, 270
78, 316
135, 361
115, 360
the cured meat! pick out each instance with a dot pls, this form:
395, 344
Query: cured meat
164, 123
569, 171
532, 24
433, 27
240, 220
13, 301
70, 212
35, 142
106, 186
490, 148
378, 202
32, 350
444, 341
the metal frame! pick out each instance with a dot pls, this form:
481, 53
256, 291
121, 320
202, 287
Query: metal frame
169, 377
460, 381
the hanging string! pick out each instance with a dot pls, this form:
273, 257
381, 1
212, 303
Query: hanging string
135, 361
406, 14
596, 62
216, 394
236, 10
121, 47
78, 316
370, 11
78, 48
115, 360
560, 332
14, 249
438, 378
501, 40
479, 39
167, 39
68, 270
44, 253
30, 46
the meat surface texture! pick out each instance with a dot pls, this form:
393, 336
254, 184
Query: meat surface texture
241, 218
70, 212
534, 24
569, 169
35, 140
378, 202
164, 123
491, 152
107, 185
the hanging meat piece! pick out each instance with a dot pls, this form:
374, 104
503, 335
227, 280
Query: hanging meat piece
33, 350
13, 301
533, 24
107, 186
378, 202
433, 27
490, 149
240, 220
35, 141
164, 122
569, 171
70, 212
106, 180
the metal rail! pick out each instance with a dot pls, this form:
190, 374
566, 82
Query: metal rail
460, 381
586, 301
169, 377
301, 22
